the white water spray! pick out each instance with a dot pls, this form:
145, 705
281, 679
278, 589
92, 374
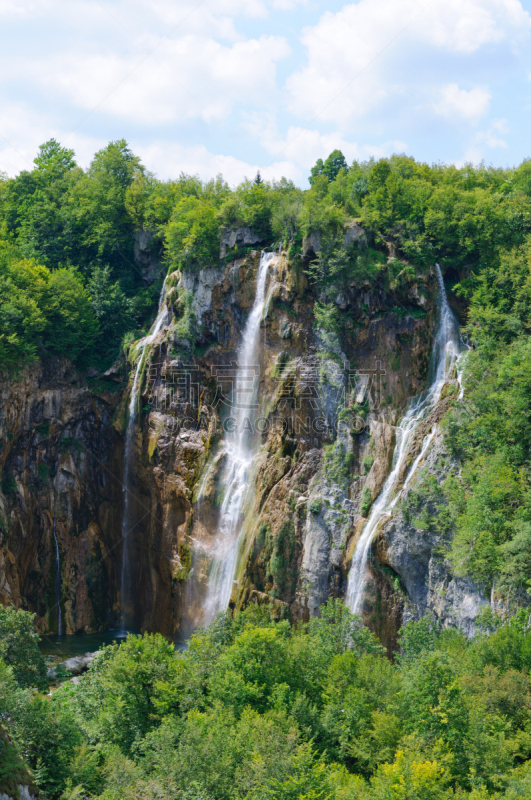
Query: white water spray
160, 321
57, 581
240, 448
446, 352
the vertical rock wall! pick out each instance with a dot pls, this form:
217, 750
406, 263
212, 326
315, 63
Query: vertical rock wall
60, 460
329, 403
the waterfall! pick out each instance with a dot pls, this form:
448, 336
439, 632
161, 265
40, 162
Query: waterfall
445, 353
240, 448
162, 317
57, 581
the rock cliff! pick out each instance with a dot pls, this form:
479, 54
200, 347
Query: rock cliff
329, 403
61, 470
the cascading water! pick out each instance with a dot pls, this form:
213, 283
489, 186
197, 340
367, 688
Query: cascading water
240, 446
160, 321
57, 581
446, 351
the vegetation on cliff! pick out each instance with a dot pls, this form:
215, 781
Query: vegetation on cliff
72, 284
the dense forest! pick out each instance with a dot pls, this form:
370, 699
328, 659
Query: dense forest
255, 707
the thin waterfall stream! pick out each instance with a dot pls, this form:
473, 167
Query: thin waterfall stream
57, 581
240, 447
445, 354
125, 583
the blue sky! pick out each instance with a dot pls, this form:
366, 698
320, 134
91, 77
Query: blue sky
231, 86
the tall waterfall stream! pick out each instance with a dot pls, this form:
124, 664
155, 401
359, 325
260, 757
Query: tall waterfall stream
240, 447
57, 581
125, 583
446, 351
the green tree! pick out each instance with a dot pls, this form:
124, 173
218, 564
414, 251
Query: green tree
121, 697
330, 168
22, 319
334, 163
98, 217
19, 647
71, 324
192, 237
112, 310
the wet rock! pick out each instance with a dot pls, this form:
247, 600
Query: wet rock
148, 255
23, 794
241, 237
75, 666
75, 429
311, 245
325, 536
285, 329
61, 461
417, 557
356, 235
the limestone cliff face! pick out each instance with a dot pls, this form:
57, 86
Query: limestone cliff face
61, 469
329, 403
415, 552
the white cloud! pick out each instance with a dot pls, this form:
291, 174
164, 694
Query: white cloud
213, 60
11, 9
468, 105
24, 130
345, 76
466, 25
293, 155
193, 77
485, 141
172, 12
287, 5
301, 147
168, 160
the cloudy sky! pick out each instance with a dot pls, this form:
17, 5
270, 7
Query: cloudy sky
231, 86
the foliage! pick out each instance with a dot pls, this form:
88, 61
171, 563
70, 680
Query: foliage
366, 501
112, 310
82, 225
71, 325
330, 168
257, 709
19, 647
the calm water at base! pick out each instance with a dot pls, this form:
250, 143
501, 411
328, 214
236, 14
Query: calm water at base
63, 647
77, 645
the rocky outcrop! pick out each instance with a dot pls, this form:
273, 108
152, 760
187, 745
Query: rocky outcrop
148, 255
292, 554
22, 793
415, 553
75, 666
353, 236
61, 475
232, 238
329, 404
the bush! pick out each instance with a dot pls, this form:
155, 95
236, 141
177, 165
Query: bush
19, 647
366, 502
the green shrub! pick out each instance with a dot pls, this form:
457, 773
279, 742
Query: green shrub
367, 463
315, 506
20, 649
366, 501
9, 484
